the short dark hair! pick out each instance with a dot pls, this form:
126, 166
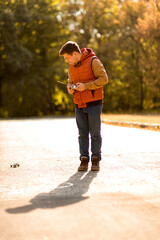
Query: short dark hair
69, 47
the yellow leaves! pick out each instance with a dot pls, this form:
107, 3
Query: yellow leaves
149, 24
36, 6
66, 70
67, 32
4, 56
33, 32
53, 44
5, 113
56, 77
40, 113
20, 99
16, 24
37, 50
2, 47
119, 83
54, 2
60, 98
7, 10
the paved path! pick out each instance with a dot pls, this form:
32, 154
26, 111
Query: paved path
46, 198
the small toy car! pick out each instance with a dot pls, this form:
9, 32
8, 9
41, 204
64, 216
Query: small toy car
15, 165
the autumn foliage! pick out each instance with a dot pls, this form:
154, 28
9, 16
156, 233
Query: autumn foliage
125, 35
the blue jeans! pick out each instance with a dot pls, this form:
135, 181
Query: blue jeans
89, 122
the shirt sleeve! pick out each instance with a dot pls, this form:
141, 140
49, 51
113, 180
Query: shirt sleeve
100, 74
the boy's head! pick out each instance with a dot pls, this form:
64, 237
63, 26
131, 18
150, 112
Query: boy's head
69, 47
71, 52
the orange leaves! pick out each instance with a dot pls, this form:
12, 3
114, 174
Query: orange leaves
150, 23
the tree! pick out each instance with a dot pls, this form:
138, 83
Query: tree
15, 59
124, 34
30, 34
130, 53
148, 30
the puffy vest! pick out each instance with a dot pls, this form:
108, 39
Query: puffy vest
83, 73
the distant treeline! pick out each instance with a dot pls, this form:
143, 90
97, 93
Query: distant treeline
125, 35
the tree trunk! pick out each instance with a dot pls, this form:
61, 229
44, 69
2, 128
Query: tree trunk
141, 93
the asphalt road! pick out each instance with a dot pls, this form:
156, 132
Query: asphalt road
46, 198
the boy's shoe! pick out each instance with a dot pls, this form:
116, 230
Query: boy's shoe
95, 164
84, 164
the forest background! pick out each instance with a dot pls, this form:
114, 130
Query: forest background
125, 35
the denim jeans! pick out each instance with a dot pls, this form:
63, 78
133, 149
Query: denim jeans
89, 124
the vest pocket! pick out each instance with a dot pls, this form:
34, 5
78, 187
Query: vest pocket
92, 91
77, 98
87, 96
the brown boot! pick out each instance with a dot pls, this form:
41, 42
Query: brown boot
95, 164
84, 164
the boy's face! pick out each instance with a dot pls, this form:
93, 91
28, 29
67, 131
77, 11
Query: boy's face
72, 59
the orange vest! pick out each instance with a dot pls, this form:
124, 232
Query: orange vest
83, 73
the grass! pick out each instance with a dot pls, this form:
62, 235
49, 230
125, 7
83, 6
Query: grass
148, 121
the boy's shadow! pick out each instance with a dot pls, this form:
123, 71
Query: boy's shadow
67, 193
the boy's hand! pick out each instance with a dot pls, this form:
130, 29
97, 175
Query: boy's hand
80, 87
70, 91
